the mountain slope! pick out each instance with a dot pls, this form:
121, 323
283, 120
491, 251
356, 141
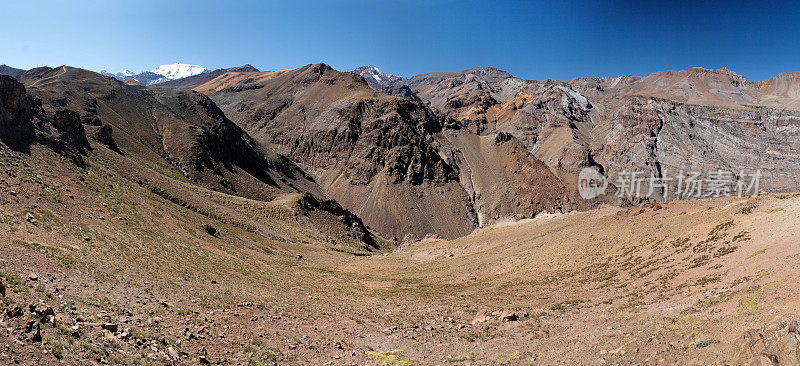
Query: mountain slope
10, 71
178, 145
369, 151
662, 124
184, 129
393, 161
194, 81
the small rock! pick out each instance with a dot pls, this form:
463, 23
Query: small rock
299, 256
80, 319
657, 207
37, 336
508, 316
173, 353
14, 311
480, 317
30, 326
111, 327
203, 360
109, 335
2, 288
33, 277
769, 359
41, 310
63, 319
794, 327
34, 331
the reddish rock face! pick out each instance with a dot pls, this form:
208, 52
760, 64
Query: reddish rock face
372, 153
697, 119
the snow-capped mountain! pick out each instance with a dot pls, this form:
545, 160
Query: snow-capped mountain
385, 83
161, 74
376, 78
178, 71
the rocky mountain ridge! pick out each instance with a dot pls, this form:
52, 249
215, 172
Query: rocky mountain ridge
403, 167
466, 149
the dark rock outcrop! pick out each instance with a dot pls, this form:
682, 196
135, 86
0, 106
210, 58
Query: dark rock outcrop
19, 113
24, 122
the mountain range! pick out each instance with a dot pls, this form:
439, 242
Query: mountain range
446, 153
159, 75
234, 216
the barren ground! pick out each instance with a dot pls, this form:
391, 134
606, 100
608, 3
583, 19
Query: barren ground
692, 282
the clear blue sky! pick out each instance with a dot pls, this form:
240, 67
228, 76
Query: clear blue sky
530, 39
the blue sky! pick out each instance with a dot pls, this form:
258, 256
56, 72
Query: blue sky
530, 39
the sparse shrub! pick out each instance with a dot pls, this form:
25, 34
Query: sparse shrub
747, 208
210, 230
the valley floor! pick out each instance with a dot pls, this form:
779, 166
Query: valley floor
131, 276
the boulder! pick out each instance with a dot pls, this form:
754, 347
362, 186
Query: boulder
14, 311
104, 136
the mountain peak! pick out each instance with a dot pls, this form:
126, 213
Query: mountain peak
178, 70
160, 74
488, 71
378, 79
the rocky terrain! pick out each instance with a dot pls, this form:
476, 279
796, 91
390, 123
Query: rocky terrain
307, 216
404, 167
662, 124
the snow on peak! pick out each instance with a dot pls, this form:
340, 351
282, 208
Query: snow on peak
375, 76
161, 74
178, 71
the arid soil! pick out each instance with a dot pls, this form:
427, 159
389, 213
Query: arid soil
99, 269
